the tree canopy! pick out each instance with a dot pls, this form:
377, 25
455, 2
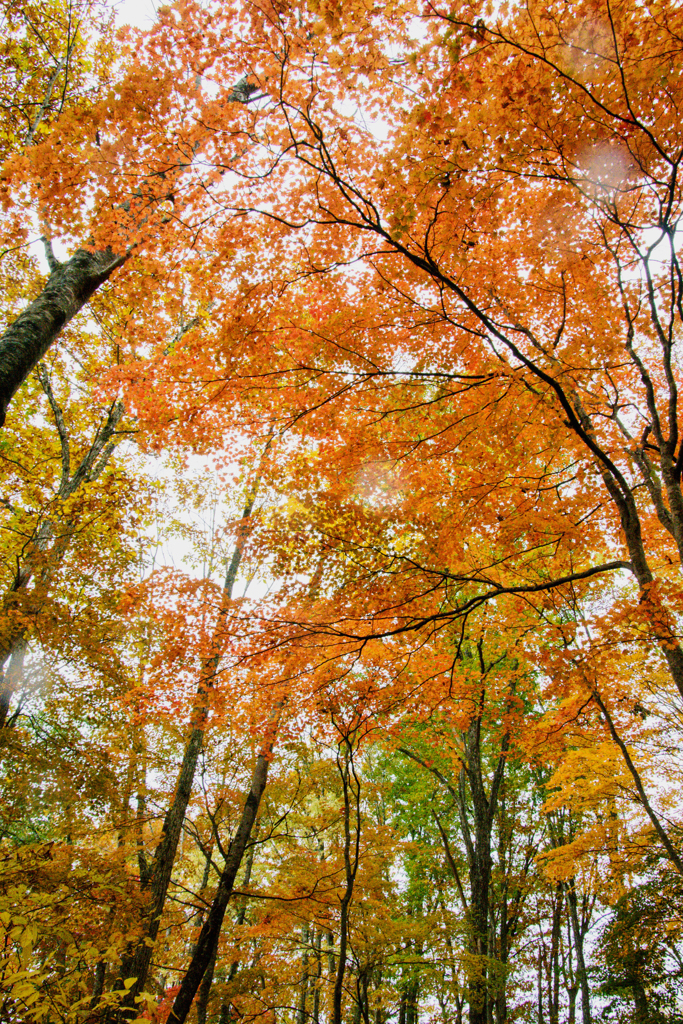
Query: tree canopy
342, 520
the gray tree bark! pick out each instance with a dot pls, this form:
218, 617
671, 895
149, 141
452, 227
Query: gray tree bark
68, 288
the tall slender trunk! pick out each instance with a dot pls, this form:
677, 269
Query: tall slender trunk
582, 974
572, 992
641, 1002
480, 861
539, 982
362, 993
554, 959
476, 826
157, 876
208, 936
205, 988
98, 983
315, 1016
240, 916
502, 953
351, 791
301, 1008
331, 961
410, 990
156, 880
11, 678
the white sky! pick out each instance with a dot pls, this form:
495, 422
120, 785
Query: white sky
135, 12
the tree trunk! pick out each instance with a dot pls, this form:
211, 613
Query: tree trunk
477, 839
351, 790
331, 962
208, 937
157, 878
642, 1014
554, 964
301, 1008
98, 983
480, 861
362, 993
315, 1017
582, 975
205, 988
11, 678
68, 288
240, 917
412, 995
572, 993
501, 1007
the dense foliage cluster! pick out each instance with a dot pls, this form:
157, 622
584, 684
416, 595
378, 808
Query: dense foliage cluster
341, 513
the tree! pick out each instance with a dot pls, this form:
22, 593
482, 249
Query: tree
506, 315
469, 751
76, 158
640, 956
436, 252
